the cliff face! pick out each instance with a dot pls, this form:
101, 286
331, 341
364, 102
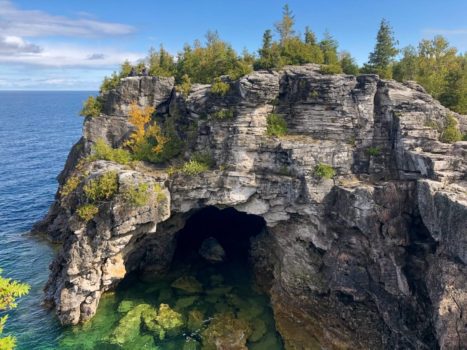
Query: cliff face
373, 258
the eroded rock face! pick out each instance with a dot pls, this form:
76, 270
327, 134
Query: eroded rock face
373, 258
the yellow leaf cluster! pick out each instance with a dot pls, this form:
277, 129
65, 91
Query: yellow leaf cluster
139, 117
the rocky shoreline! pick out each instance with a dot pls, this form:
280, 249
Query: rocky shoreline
373, 258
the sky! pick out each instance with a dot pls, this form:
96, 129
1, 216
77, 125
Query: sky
73, 44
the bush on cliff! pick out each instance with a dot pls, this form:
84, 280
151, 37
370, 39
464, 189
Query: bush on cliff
137, 195
219, 87
102, 188
324, 171
87, 211
92, 107
10, 290
451, 132
276, 125
70, 185
101, 150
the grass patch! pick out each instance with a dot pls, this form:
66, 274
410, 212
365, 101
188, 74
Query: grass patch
324, 171
194, 167
276, 125
87, 211
373, 151
160, 194
70, 185
102, 188
101, 150
137, 195
224, 113
330, 69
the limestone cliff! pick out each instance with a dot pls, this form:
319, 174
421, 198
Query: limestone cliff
374, 258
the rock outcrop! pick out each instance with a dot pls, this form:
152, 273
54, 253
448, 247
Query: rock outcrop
374, 258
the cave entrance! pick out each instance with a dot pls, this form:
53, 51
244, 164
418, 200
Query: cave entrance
216, 300
211, 231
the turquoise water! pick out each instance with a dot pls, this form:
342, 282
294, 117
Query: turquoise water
37, 130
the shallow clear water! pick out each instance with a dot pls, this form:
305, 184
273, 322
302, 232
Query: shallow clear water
37, 130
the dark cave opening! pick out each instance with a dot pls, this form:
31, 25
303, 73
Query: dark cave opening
232, 230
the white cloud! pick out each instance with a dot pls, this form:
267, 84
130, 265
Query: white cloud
67, 56
12, 45
34, 23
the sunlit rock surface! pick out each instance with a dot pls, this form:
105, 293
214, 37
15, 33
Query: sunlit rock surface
374, 258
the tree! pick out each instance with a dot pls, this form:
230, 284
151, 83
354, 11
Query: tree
348, 64
10, 290
285, 26
310, 37
161, 63
407, 67
381, 59
329, 47
269, 54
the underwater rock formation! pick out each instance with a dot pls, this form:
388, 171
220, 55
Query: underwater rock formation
370, 254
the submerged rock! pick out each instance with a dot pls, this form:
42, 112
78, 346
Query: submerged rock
195, 320
163, 322
188, 284
259, 330
183, 303
128, 328
226, 332
212, 251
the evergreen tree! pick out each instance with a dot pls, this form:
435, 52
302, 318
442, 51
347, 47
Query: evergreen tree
329, 46
381, 59
348, 64
285, 26
310, 37
269, 54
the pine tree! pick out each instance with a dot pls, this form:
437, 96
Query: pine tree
381, 59
348, 64
310, 37
329, 47
285, 26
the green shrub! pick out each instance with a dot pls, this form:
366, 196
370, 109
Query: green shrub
330, 69
373, 151
324, 171
194, 167
110, 83
70, 185
314, 94
464, 137
219, 87
102, 188
433, 124
276, 125
160, 195
225, 113
137, 195
87, 211
185, 86
204, 158
451, 132
101, 150
92, 107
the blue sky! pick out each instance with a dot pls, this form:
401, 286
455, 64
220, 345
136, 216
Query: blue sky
73, 44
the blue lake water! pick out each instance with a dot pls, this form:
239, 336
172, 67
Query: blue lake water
37, 130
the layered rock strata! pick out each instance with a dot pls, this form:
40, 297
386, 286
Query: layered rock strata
374, 258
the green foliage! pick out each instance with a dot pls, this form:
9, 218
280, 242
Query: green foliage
373, 151
202, 64
285, 27
439, 69
101, 150
185, 85
160, 195
330, 69
110, 83
10, 291
92, 107
385, 51
224, 113
194, 167
161, 63
87, 211
276, 125
324, 171
451, 132
348, 64
219, 87
102, 188
204, 158
329, 46
70, 185
137, 195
